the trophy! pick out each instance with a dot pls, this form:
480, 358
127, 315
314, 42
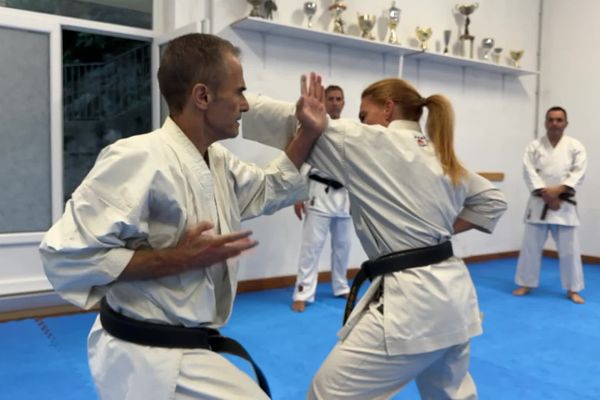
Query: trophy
269, 7
466, 10
256, 11
496, 54
487, 44
310, 9
393, 20
338, 8
447, 34
366, 22
515, 56
423, 34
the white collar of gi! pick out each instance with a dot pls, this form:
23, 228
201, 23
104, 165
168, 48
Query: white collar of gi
405, 125
175, 134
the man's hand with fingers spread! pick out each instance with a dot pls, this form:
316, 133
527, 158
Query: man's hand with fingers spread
198, 248
310, 108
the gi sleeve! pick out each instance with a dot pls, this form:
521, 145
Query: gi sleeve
270, 122
484, 203
530, 174
578, 166
273, 123
86, 249
264, 191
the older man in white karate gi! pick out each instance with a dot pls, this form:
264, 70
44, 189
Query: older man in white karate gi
554, 166
154, 229
327, 210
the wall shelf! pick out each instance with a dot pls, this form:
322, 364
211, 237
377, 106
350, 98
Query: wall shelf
493, 176
313, 35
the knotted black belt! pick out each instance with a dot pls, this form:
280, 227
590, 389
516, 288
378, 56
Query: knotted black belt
326, 181
396, 262
564, 196
171, 336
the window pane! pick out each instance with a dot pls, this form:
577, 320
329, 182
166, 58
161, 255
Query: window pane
164, 107
106, 95
136, 13
25, 199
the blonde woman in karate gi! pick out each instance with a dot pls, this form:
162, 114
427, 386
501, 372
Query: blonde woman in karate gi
553, 166
407, 191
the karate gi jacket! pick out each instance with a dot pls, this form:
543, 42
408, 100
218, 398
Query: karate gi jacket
144, 192
543, 166
400, 199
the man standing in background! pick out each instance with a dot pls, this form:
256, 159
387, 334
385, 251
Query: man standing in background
326, 210
554, 165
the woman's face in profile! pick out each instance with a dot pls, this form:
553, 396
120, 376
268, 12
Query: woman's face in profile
372, 113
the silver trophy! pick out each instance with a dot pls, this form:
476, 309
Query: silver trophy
496, 54
487, 44
393, 21
366, 22
256, 8
338, 7
467, 10
447, 34
310, 9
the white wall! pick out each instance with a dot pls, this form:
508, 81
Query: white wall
569, 64
495, 112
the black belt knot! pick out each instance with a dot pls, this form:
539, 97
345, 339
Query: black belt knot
564, 196
394, 262
171, 336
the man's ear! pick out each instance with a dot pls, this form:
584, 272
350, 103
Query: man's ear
201, 96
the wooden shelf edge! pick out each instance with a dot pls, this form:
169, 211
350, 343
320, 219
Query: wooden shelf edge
493, 176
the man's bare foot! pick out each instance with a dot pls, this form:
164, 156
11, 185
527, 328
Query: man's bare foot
521, 291
345, 295
575, 297
298, 306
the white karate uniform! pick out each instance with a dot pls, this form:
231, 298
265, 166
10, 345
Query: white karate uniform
544, 166
327, 211
144, 192
400, 199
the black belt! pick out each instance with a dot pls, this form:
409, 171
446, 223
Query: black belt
565, 196
326, 181
171, 336
396, 262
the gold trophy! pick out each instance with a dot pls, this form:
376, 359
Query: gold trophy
366, 22
487, 44
466, 10
393, 20
338, 7
423, 34
256, 11
515, 56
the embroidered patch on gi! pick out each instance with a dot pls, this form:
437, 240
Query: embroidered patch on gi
421, 140
300, 288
